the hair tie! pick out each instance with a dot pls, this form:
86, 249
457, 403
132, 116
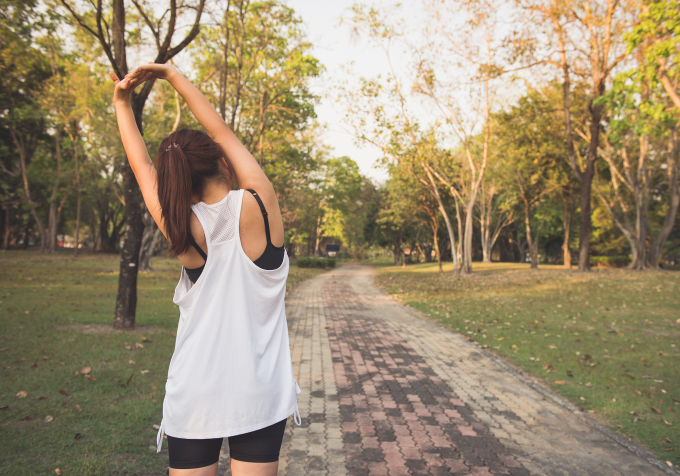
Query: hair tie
174, 144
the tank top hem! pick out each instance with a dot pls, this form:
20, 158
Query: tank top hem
226, 434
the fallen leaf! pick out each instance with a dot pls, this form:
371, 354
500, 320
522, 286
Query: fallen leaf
559, 382
668, 440
145, 371
666, 422
78, 436
48, 418
589, 384
131, 362
127, 346
64, 393
4, 407
62, 363
27, 418
44, 357
173, 334
22, 394
656, 410
44, 397
78, 408
91, 378
58, 471
156, 427
85, 370
552, 346
139, 345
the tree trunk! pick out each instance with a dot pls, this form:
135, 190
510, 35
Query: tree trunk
148, 234
532, 242
126, 300
79, 188
449, 228
23, 159
673, 176
566, 225
6, 233
53, 220
396, 248
318, 236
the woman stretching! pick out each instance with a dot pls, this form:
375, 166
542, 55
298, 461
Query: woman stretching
231, 373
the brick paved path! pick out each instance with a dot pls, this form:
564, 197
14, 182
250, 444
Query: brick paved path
385, 392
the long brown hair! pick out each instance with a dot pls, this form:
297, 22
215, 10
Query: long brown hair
186, 160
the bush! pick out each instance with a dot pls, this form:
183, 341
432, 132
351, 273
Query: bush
310, 262
610, 261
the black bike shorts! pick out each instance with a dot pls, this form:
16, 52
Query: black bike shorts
259, 446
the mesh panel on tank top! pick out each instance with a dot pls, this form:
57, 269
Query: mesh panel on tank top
221, 219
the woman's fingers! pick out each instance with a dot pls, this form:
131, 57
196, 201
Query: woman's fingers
113, 76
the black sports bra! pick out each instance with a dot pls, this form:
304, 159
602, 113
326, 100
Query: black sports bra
272, 257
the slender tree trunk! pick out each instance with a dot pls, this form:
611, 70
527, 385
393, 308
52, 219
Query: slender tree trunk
435, 233
674, 202
79, 188
126, 301
318, 236
566, 226
396, 248
53, 220
23, 159
531, 241
6, 233
435, 191
585, 223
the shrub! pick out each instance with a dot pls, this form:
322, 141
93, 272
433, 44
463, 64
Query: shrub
609, 261
311, 262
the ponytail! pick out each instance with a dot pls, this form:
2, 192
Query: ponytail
186, 159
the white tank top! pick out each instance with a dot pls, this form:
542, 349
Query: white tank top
231, 371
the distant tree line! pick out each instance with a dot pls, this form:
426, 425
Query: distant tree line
546, 130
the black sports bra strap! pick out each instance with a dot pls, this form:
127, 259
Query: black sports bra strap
198, 248
264, 213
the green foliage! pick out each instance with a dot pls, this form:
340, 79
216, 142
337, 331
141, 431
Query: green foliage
311, 262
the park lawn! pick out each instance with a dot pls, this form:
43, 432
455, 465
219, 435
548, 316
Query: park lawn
608, 341
55, 316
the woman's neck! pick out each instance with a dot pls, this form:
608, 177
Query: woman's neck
214, 191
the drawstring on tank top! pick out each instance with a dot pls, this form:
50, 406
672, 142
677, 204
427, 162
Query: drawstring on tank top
159, 437
296, 416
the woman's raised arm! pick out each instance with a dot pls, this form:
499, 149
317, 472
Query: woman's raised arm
244, 166
135, 148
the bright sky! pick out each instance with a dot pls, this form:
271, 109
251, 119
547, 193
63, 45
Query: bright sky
334, 46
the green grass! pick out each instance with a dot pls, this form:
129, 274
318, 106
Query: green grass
608, 341
55, 316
